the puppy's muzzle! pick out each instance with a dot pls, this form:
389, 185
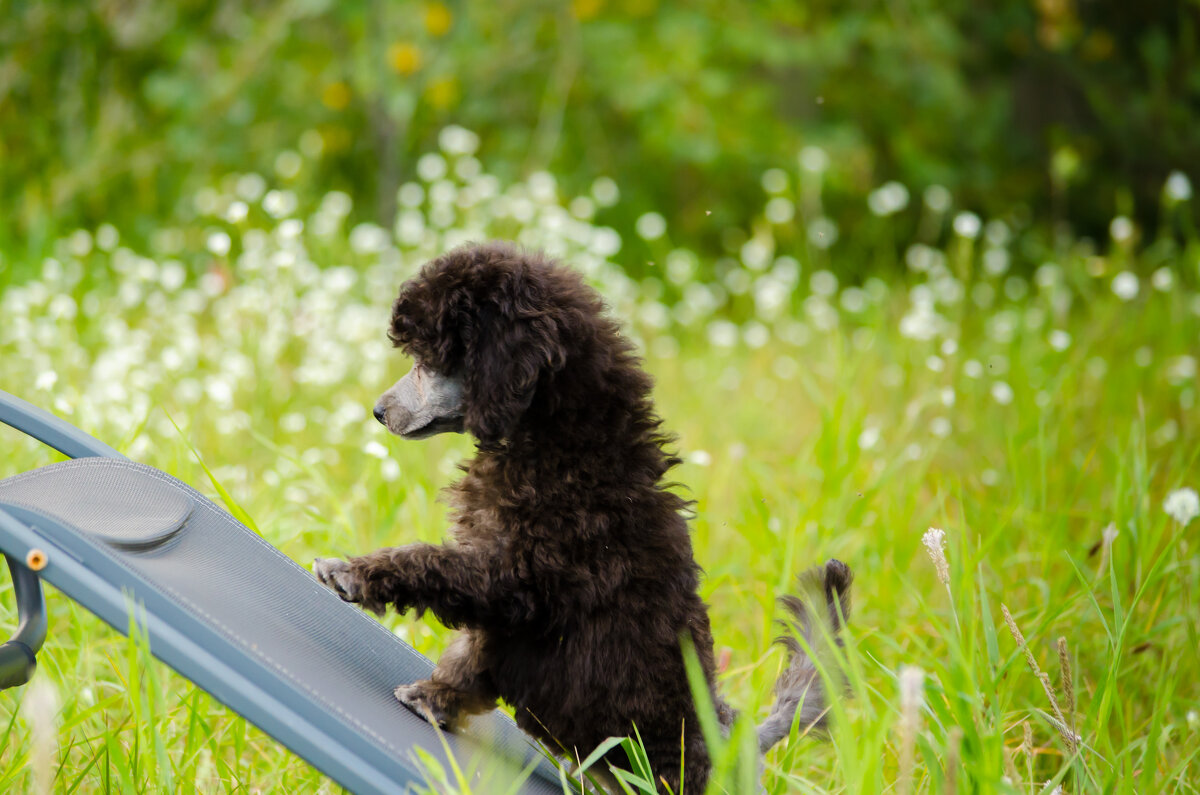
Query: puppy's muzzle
421, 404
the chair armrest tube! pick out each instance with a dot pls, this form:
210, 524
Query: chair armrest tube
18, 655
50, 430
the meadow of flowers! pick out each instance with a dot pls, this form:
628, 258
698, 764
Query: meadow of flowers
997, 432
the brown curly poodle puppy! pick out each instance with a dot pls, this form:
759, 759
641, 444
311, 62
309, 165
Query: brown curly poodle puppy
571, 572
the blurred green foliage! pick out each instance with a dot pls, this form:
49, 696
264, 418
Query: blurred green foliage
1068, 111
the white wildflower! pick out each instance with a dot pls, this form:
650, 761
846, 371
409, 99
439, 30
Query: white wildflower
250, 187
40, 709
543, 187
1163, 279
107, 237
46, 380
912, 689
756, 334
774, 180
853, 300
218, 243
822, 232
786, 270
236, 212
651, 226
456, 140
1125, 285
912, 699
220, 391
368, 238
1060, 340
605, 241
920, 257
605, 192
288, 164
279, 203
375, 449
582, 208
921, 322
312, 144
1121, 229
780, 210
722, 334
888, 199
967, 225
431, 167
823, 283
997, 232
1047, 275
937, 198
995, 261
681, 264
1178, 187
1182, 505
80, 243
1181, 369
1002, 393
293, 422
814, 159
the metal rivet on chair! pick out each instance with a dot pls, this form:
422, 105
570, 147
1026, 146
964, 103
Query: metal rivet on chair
36, 560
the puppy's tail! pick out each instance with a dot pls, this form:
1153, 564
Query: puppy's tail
817, 611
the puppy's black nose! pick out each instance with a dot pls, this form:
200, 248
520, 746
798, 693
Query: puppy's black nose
378, 412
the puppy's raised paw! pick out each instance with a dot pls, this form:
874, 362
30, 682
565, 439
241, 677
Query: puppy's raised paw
417, 700
339, 577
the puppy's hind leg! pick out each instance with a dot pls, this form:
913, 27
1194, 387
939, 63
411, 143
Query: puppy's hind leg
460, 685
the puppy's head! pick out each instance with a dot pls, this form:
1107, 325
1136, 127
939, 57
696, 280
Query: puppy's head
486, 326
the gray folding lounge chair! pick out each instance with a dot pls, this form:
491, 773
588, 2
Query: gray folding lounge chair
230, 612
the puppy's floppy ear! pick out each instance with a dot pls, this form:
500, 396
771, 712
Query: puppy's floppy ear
508, 351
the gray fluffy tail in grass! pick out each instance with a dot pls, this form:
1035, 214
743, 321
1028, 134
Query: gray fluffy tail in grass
816, 613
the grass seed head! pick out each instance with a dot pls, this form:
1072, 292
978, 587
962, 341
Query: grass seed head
935, 543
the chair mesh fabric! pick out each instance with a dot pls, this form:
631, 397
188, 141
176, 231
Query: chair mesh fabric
180, 544
118, 505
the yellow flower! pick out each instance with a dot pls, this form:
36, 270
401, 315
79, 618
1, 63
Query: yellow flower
404, 57
438, 19
336, 96
586, 9
639, 8
443, 92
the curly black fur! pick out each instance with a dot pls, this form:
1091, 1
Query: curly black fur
571, 570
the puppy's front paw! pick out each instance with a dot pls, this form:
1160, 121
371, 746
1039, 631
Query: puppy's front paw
414, 697
337, 575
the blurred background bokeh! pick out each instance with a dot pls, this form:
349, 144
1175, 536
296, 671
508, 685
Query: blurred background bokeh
1056, 115
894, 266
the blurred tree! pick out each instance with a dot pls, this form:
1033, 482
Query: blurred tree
118, 109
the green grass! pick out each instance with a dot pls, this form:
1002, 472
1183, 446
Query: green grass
850, 443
